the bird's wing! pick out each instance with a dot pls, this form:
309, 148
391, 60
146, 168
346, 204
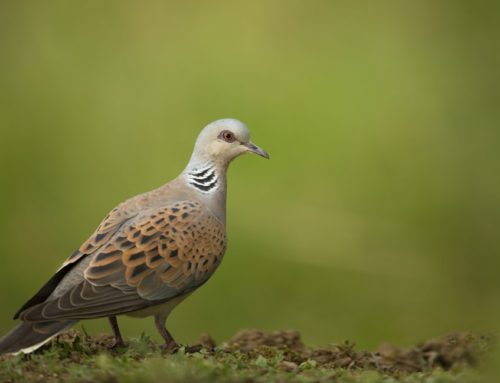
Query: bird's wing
163, 253
108, 227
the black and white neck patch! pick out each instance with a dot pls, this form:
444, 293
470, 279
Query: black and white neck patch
204, 179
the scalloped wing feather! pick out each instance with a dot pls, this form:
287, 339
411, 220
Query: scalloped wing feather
159, 255
175, 245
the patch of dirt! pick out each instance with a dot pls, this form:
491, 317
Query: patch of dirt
78, 341
444, 352
255, 343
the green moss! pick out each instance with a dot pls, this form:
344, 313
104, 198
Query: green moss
251, 356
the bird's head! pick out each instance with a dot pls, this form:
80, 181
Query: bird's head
223, 140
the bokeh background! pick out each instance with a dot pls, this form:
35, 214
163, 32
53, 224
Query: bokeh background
377, 218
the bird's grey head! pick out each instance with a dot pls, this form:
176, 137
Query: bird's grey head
223, 140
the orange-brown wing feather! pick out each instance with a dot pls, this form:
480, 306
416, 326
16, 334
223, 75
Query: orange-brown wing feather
108, 227
161, 254
173, 246
112, 223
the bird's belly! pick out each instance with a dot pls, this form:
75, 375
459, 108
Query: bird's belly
164, 308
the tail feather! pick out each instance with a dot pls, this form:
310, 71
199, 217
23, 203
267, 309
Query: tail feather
27, 337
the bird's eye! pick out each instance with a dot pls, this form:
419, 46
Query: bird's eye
227, 136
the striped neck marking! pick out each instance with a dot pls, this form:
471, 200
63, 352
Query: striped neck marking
204, 179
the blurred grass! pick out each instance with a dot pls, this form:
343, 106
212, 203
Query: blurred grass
377, 218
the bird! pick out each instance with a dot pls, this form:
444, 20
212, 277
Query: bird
147, 255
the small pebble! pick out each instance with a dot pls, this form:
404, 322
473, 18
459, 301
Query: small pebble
287, 366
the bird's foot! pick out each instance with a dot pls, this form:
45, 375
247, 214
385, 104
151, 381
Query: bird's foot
118, 344
170, 347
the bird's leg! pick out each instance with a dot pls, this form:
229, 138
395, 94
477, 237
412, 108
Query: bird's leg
116, 330
170, 343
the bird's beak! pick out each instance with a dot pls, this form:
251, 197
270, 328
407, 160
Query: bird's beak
252, 148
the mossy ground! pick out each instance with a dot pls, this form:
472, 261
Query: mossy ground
250, 356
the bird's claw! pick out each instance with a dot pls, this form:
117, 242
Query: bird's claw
117, 345
170, 348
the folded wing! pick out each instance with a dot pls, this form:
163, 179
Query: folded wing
160, 254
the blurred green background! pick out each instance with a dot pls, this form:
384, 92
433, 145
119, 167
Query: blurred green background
377, 218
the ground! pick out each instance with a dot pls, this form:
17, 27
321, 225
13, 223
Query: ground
250, 356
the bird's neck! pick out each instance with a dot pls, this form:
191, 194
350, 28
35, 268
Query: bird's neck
208, 180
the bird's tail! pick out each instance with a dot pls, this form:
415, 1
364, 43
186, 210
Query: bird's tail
27, 337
